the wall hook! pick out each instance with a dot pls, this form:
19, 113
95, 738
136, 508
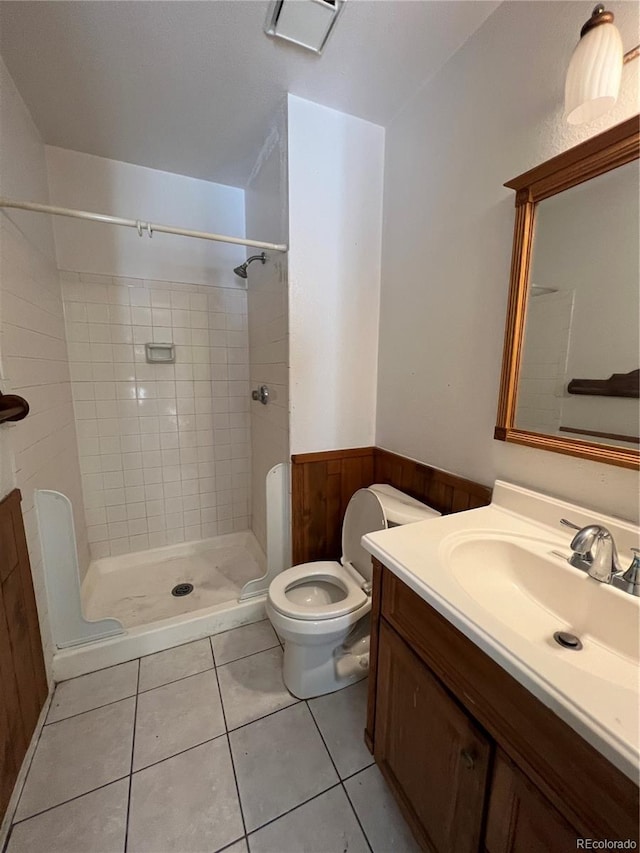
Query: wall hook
149, 230
139, 227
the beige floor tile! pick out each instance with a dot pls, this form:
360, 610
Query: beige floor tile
341, 717
94, 823
173, 664
243, 641
177, 716
77, 755
253, 687
280, 762
386, 829
93, 690
326, 823
186, 804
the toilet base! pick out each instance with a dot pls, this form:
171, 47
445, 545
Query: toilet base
310, 671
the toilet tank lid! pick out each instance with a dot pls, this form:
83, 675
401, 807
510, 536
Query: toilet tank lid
400, 508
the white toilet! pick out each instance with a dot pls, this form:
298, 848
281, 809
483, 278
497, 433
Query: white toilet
321, 609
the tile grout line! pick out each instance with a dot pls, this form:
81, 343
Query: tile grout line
133, 745
292, 809
244, 657
70, 800
48, 703
175, 680
131, 771
233, 764
342, 781
89, 710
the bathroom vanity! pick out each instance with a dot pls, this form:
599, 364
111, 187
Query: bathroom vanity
483, 729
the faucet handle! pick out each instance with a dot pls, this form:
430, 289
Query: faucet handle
570, 524
630, 580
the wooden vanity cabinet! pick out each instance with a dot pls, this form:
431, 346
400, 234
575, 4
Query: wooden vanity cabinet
519, 817
436, 755
475, 761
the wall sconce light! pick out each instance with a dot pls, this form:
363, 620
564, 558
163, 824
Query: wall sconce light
595, 70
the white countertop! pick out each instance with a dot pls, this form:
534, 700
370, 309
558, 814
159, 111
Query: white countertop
604, 711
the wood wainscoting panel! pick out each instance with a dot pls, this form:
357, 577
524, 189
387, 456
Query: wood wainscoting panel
443, 491
23, 682
322, 485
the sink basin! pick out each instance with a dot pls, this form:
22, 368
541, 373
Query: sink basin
534, 592
495, 574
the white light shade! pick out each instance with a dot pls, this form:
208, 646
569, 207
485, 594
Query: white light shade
593, 78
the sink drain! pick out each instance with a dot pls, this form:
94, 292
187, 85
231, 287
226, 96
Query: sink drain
182, 589
567, 641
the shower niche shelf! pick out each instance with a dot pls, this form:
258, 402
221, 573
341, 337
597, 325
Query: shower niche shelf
160, 353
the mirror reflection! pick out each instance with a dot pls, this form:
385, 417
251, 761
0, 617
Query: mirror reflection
579, 369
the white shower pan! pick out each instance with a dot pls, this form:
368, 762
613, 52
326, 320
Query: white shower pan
136, 590
125, 606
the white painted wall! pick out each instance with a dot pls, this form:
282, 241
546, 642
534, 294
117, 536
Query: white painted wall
85, 182
267, 301
39, 452
492, 112
335, 216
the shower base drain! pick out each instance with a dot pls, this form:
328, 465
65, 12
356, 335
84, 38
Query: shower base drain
182, 589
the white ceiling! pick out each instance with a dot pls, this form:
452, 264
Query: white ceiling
191, 87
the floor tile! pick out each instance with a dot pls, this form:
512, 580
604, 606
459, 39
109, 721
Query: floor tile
280, 762
243, 641
78, 755
93, 690
238, 847
253, 687
94, 823
386, 829
186, 804
177, 716
327, 823
341, 717
176, 663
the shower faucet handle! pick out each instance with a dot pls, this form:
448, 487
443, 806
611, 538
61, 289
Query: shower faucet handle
261, 394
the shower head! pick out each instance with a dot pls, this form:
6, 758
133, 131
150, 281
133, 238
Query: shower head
242, 269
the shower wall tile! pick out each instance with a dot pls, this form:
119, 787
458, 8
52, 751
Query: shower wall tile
35, 366
164, 449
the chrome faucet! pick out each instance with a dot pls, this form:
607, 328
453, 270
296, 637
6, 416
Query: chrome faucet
594, 551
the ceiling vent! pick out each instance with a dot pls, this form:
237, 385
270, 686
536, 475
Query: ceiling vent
307, 23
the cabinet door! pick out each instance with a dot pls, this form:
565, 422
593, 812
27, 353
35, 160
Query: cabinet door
520, 818
432, 754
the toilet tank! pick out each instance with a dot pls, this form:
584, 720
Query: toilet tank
400, 508
376, 508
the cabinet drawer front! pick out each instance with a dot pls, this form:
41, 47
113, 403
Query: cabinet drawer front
555, 758
433, 754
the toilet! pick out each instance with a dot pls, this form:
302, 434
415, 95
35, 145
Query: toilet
321, 609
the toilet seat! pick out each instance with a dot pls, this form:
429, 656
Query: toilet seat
353, 596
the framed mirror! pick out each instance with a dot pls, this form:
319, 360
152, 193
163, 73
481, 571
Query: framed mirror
571, 364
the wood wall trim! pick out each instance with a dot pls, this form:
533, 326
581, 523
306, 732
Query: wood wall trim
323, 483
615, 143
23, 683
327, 455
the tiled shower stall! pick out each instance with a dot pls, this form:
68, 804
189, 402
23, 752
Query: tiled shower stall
164, 448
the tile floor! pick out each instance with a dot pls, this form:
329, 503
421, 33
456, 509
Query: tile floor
201, 749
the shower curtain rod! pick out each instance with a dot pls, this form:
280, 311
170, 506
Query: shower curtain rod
139, 225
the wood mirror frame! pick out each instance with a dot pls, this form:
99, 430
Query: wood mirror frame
600, 154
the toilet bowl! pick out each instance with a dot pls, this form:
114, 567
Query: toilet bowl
320, 609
